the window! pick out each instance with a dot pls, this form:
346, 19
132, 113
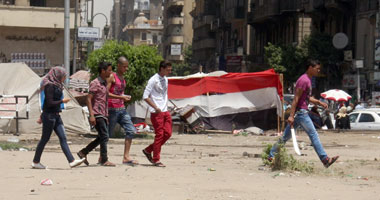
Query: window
143, 36
40, 3
366, 118
353, 117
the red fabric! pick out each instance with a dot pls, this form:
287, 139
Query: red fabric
228, 83
162, 124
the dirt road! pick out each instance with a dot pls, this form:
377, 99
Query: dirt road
198, 167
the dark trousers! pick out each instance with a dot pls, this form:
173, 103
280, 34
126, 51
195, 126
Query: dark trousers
50, 122
102, 139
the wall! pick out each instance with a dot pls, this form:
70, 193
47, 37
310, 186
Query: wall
51, 42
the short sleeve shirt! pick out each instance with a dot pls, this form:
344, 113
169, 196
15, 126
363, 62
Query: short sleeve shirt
98, 88
304, 83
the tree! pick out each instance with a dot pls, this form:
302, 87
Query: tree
185, 68
273, 56
143, 63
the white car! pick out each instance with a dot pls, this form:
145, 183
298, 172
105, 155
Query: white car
365, 120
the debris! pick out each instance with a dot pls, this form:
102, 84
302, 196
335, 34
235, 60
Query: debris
2, 150
245, 153
13, 140
47, 182
32, 190
23, 149
262, 168
211, 169
213, 155
254, 131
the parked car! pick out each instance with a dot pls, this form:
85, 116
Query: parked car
365, 120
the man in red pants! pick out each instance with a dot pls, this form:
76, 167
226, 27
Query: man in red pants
156, 95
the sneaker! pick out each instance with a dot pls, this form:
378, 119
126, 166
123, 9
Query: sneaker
38, 166
327, 162
76, 163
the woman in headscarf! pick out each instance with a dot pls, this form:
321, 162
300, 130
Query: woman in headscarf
52, 85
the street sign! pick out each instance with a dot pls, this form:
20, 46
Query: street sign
175, 49
359, 64
98, 44
88, 33
340, 40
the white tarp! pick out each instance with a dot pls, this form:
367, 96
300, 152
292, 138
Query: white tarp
19, 79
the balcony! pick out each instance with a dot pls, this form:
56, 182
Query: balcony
235, 13
263, 12
206, 43
175, 57
290, 6
175, 3
367, 5
175, 21
202, 21
34, 17
176, 39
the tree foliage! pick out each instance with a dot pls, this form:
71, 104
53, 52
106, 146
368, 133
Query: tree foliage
143, 63
291, 60
185, 68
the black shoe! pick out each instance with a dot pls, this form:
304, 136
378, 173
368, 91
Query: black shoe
148, 156
81, 155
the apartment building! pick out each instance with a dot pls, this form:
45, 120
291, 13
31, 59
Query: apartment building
32, 31
125, 12
178, 29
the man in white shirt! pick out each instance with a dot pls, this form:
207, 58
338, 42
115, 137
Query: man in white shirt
156, 95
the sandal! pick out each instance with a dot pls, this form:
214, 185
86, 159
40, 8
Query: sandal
159, 164
131, 163
81, 155
329, 161
108, 164
148, 156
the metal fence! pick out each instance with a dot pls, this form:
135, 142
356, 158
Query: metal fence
16, 110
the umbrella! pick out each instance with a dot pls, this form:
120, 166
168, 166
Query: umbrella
336, 95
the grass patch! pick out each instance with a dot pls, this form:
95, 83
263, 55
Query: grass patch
284, 161
10, 146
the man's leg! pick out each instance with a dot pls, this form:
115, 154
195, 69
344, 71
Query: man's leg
112, 119
125, 121
102, 128
167, 127
308, 126
158, 124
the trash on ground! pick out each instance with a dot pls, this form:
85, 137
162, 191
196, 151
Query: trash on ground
211, 169
47, 182
23, 149
13, 139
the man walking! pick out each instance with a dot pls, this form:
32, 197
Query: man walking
116, 109
97, 101
156, 95
299, 114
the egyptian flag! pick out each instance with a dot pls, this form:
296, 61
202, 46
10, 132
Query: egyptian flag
230, 100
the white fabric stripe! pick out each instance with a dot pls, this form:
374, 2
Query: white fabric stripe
232, 103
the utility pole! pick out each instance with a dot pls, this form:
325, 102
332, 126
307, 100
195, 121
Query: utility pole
75, 45
66, 45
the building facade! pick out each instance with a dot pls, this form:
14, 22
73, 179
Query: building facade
178, 28
37, 39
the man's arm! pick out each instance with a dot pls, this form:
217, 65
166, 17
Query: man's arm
317, 102
152, 104
90, 110
297, 96
146, 95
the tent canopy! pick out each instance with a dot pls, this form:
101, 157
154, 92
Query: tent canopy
19, 79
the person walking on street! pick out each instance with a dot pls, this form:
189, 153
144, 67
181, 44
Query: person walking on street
299, 114
156, 95
116, 109
97, 103
52, 85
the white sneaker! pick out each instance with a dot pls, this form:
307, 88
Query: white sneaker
76, 163
38, 166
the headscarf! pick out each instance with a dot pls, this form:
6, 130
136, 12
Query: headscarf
54, 77
342, 112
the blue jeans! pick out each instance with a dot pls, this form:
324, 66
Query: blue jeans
302, 119
50, 122
122, 117
102, 139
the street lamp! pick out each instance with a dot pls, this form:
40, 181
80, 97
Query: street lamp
106, 27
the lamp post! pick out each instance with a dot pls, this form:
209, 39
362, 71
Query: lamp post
105, 29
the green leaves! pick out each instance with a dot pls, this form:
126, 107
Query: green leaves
143, 63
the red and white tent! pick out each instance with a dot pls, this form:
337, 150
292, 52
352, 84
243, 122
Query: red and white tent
223, 99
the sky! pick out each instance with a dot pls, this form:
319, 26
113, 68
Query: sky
105, 7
